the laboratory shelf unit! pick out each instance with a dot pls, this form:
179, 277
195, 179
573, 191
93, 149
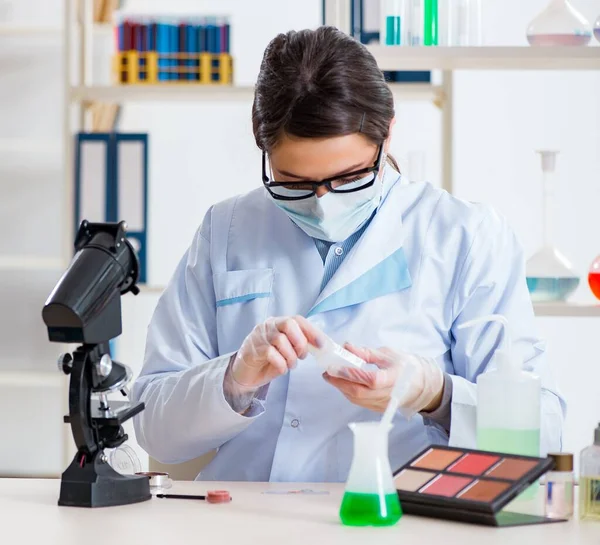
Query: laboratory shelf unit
218, 93
81, 90
486, 58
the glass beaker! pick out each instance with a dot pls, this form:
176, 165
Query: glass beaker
559, 24
550, 276
594, 277
597, 28
370, 497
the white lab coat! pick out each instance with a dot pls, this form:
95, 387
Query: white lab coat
427, 263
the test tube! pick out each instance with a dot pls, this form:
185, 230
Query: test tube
416, 22
393, 22
430, 22
460, 23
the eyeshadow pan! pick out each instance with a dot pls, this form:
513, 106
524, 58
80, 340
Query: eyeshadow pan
411, 480
483, 490
437, 459
474, 464
446, 485
511, 468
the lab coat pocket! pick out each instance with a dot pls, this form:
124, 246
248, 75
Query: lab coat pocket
243, 299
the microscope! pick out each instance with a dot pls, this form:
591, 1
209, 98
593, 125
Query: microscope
85, 308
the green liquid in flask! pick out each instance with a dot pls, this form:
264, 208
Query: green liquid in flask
370, 509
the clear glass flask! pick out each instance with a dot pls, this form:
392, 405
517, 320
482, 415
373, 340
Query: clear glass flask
589, 480
550, 276
460, 23
559, 24
370, 497
597, 28
594, 277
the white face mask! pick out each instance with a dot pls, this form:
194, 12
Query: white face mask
335, 216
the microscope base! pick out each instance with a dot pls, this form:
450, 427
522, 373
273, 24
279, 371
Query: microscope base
97, 484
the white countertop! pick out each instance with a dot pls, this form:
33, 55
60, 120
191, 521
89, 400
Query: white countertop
29, 514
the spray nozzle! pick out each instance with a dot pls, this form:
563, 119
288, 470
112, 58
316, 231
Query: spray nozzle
503, 354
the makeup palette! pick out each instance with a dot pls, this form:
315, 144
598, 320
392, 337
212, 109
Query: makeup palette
468, 485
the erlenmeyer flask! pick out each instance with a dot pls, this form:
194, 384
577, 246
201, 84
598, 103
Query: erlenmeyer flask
370, 498
550, 276
559, 24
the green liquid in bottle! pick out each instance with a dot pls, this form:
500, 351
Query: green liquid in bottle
370, 509
524, 442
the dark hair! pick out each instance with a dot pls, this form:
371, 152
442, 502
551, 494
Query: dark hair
320, 83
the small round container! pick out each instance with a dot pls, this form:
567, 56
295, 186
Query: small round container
218, 496
559, 487
159, 481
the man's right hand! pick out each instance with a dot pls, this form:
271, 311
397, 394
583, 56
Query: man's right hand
271, 349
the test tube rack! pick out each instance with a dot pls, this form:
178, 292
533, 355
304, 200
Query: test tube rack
151, 67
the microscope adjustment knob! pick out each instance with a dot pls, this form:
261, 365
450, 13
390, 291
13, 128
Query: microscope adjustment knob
65, 363
104, 366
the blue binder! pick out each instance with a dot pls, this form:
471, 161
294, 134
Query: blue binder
131, 187
94, 182
111, 184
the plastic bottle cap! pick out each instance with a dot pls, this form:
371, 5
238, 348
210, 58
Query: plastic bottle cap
563, 461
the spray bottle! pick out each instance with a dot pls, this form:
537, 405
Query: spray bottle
508, 401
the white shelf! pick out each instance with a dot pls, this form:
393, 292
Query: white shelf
30, 145
221, 93
30, 263
8, 29
161, 92
566, 310
486, 58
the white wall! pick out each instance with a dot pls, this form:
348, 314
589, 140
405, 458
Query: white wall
205, 153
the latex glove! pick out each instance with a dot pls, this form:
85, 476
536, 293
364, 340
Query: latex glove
270, 350
372, 389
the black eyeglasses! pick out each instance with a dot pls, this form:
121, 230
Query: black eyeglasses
348, 183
